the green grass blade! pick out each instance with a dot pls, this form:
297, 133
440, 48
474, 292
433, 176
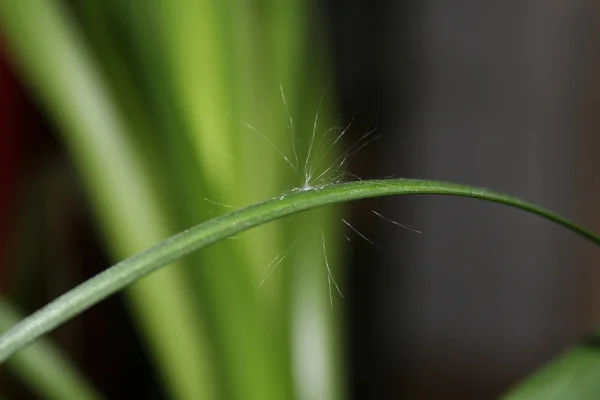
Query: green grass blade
43, 367
132, 269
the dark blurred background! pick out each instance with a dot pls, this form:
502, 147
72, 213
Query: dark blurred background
500, 94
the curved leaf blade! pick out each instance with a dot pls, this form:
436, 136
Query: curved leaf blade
574, 375
134, 268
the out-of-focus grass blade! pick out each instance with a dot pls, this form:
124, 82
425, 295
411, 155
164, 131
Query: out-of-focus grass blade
196, 55
202, 71
57, 64
573, 376
43, 367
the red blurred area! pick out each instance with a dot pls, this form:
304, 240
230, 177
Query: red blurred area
14, 111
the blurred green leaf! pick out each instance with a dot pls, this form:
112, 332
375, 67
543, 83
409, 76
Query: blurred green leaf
573, 376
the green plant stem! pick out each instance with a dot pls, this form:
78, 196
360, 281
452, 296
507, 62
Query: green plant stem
132, 269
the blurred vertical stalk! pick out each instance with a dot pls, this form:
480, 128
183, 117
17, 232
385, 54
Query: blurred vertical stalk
227, 60
299, 60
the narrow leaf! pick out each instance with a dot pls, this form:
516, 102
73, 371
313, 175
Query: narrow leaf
132, 269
